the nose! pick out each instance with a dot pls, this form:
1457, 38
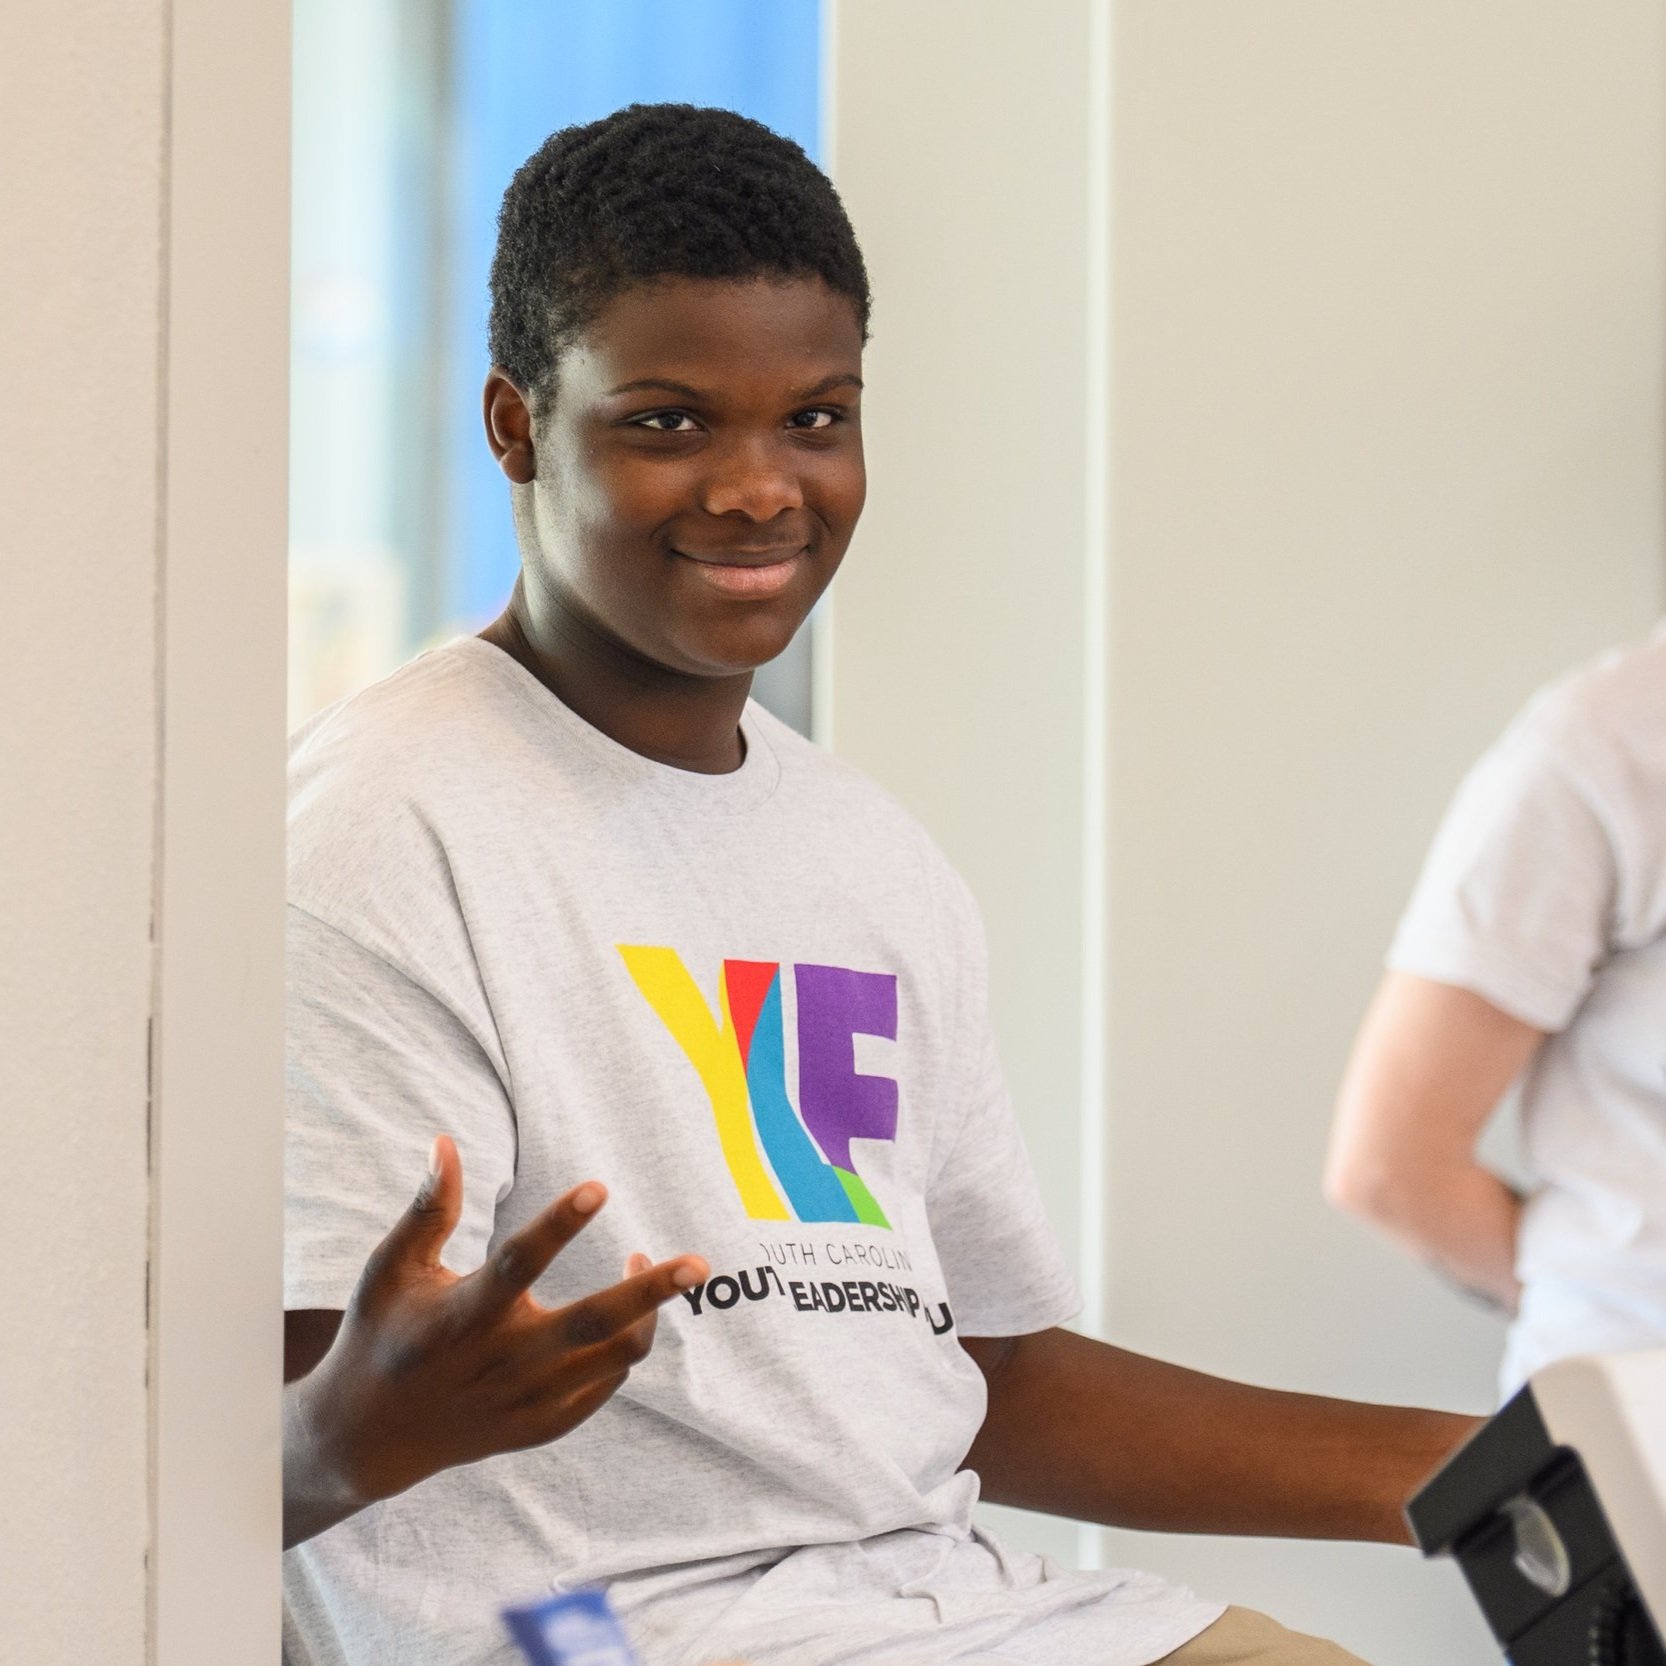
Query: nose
753, 478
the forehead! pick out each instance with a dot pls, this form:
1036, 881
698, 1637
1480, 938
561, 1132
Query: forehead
715, 331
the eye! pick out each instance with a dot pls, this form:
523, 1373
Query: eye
818, 416
666, 422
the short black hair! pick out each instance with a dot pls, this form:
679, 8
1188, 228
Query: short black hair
654, 191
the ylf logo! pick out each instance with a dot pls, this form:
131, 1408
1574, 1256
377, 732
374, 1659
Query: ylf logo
740, 1057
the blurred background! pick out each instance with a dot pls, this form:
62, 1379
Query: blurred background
1264, 399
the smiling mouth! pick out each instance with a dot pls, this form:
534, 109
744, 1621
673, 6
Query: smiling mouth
763, 555
749, 574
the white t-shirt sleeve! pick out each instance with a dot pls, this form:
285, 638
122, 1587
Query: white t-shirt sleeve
1001, 1262
375, 1066
1005, 1273
1517, 897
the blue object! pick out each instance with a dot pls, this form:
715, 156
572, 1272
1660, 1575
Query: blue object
575, 1629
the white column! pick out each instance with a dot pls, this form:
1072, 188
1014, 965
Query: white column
142, 467
81, 86
967, 636
217, 1121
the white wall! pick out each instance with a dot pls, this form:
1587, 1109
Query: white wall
1389, 451
81, 87
142, 471
1387, 412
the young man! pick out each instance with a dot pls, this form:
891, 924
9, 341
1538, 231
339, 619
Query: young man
567, 910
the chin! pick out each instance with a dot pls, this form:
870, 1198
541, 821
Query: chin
740, 653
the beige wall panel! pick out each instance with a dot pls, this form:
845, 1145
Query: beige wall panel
1389, 452
81, 88
143, 279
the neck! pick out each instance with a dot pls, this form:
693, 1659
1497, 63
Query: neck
690, 723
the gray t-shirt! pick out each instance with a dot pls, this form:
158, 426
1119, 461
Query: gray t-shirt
754, 1005
1545, 893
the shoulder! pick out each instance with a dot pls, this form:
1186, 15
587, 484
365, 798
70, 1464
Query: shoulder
406, 727
849, 806
373, 778
818, 778
1587, 761
1606, 719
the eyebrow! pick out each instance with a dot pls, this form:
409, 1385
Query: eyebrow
660, 384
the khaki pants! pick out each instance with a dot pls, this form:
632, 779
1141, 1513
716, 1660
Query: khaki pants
1241, 1637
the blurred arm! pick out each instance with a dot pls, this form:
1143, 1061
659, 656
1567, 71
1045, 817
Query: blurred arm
1429, 1065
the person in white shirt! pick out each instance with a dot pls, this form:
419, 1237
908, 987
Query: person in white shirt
1533, 952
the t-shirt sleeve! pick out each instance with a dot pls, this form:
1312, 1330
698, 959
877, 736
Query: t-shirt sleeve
1001, 1261
1517, 896
375, 1066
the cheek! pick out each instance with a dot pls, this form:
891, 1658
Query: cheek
597, 509
844, 492
613, 497
859, 490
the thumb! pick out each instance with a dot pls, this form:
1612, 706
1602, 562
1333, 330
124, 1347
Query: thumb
419, 1235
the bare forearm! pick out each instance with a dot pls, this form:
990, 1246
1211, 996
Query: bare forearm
1429, 1066
1463, 1222
1078, 1428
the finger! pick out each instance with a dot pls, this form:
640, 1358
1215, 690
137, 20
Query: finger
575, 1371
636, 1262
419, 1235
519, 1261
601, 1317
550, 1419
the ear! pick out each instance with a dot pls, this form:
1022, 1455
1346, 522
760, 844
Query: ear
509, 427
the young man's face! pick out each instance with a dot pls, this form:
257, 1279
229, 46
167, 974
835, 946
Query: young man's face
699, 469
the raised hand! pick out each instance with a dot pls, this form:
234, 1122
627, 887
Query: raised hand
429, 1370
